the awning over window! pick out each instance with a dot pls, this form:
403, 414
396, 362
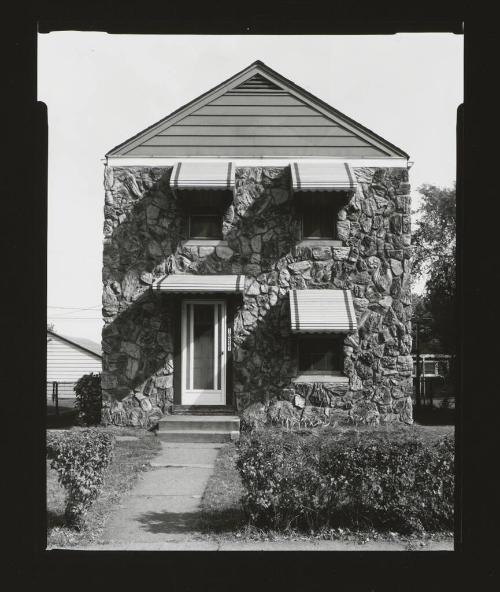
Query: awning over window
322, 311
181, 283
319, 176
216, 174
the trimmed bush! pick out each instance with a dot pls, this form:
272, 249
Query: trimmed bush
88, 399
80, 459
332, 478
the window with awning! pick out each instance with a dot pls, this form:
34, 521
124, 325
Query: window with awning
200, 284
204, 190
322, 311
320, 190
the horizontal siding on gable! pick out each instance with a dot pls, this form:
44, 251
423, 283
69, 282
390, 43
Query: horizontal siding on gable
265, 120
254, 130
257, 99
253, 140
67, 363
266, 110
342, 152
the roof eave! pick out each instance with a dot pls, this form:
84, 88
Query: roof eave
74, 343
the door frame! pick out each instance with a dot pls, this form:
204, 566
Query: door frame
218, 396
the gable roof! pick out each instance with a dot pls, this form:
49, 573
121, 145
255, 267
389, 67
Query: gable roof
81, 342
257, 112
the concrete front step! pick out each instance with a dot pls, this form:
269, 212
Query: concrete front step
197, 436
209, 423
199, 428
202, 410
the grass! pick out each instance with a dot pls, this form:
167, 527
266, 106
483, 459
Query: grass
223, 519
130, 459
221, 509
66, 417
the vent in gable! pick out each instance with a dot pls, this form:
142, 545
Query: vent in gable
256, 85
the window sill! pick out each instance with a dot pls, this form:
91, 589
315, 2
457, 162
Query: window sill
204, 242
324, 378
319, 242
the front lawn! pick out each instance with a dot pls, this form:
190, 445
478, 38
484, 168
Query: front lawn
223, 519
131, 457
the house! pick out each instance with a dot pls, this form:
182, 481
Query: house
68, 359
436, 378
257, 246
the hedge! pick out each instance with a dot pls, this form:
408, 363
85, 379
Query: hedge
356, 480
88, 399
80, 459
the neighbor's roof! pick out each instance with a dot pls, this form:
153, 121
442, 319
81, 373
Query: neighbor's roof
257, 111
81, 342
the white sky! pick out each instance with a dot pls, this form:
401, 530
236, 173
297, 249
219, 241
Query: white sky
100, 89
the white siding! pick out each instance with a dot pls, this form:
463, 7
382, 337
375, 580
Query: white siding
67, 362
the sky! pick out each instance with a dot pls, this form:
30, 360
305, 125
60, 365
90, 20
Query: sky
101, 89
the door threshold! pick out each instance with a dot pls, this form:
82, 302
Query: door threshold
203, 410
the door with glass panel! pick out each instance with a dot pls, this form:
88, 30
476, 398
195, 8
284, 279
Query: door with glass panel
203, 352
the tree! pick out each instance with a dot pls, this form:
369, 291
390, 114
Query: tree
428, 342
435, 258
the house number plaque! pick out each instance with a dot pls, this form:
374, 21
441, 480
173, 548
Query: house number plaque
229, 340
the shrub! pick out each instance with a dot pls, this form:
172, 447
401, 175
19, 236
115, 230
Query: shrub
304, 480
88, 399
80, 459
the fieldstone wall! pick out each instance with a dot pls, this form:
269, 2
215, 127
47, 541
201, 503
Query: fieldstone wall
144, 230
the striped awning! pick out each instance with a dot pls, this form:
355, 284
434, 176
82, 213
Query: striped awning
181, 283
216, 174
322, 311
322, 176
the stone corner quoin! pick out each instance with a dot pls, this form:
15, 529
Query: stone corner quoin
144, 231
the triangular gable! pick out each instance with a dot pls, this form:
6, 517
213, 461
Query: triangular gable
255, 113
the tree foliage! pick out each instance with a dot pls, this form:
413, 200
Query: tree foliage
88, 399
435, 258
428, 342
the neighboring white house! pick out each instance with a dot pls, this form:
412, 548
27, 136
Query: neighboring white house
69, 358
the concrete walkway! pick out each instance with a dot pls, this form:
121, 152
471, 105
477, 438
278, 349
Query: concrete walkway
164, 505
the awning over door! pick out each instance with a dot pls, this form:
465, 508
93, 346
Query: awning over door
204, 284
322, 176
322, 311
216, 174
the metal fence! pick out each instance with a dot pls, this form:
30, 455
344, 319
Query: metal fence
60, 396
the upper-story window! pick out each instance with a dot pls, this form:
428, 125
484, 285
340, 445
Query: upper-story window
204, 212
318, 211
319, 223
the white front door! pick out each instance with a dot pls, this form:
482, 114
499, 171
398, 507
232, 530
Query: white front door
203, 352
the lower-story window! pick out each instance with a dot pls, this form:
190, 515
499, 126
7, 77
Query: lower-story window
320, 355
205, 226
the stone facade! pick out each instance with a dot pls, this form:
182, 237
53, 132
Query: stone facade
144, 231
